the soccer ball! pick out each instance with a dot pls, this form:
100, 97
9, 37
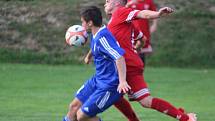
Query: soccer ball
76, 35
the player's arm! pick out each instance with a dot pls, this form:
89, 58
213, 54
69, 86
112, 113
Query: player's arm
148, 14
139, 43
153, 26
108, 46
121, 67
139, 39
88, 57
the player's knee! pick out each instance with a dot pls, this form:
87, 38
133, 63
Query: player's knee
74, 106
81, 116
146, 102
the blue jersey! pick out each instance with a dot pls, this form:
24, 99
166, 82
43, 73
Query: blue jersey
105, 51
100, 91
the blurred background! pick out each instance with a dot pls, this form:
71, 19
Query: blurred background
32, 31
39, 72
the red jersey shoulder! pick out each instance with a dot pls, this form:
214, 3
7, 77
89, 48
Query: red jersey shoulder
123, 11
125, 14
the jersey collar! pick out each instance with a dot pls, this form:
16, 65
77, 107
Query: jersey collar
94, 36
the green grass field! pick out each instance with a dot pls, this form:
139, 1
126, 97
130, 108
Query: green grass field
42, 92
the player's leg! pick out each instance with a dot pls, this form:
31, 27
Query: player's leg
98, 102
163, 107
125, 108
73, 108
81, 96
83, 117
167, 108
141, 93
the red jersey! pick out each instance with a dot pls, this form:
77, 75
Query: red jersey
143, 24
121, 27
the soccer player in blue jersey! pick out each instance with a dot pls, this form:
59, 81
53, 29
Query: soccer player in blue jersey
104, 88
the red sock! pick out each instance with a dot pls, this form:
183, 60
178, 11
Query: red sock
165, 107
125, 108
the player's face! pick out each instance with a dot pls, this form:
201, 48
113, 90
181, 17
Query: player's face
109, 6
87, 25
84, 23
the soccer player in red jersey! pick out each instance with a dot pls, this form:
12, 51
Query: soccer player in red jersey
121, 27
143, 24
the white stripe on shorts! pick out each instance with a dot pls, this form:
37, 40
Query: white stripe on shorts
104, 100
140, 93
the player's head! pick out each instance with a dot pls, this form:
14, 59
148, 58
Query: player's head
91, 16
112, 5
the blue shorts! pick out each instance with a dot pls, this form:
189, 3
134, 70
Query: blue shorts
96, 100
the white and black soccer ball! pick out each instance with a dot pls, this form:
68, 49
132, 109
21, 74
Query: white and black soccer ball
76, 35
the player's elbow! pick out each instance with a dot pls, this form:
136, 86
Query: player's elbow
143, 15
74, 106
120, 59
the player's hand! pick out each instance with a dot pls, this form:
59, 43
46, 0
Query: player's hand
165, 11
123, 87
138, 45
86, 60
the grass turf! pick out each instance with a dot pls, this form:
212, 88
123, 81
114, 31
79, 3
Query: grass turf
43, 92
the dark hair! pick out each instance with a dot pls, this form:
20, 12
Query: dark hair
92, 13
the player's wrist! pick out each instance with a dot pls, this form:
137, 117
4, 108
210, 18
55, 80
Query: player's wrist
159, 14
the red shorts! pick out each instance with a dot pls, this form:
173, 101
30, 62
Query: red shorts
139, 88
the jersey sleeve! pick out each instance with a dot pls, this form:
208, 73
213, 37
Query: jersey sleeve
128, 14
109, 46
